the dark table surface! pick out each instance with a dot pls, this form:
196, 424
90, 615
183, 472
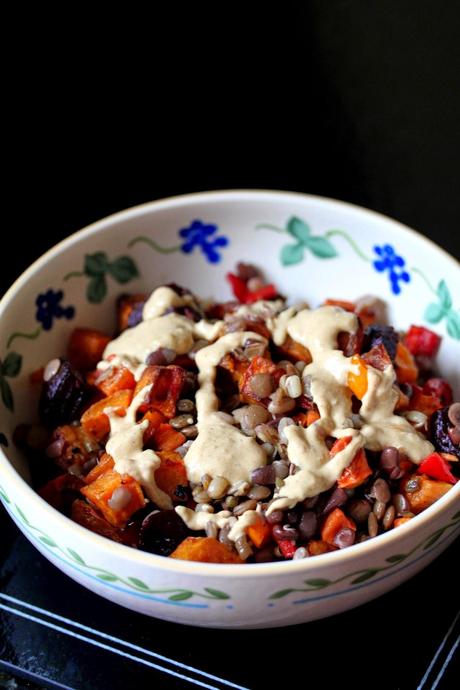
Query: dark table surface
355, 100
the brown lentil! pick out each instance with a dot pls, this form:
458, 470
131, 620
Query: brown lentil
243, 548
240, 488
400, 503
372, 525
293, 386
389, 517
281, 469
181, 421
253, 416
359, 509
190, 432
218, 487
185, 405
211, 529
381, 490
258, 493
379, 509
275, 517
264, 475
230, 502
266, 434
243, 507
206, 480
280, 404
262, 385
204, 508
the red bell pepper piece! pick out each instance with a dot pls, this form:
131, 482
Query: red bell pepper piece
436, 467
239, 287
245, 296
287, 547
441, 389
265, 292
422, 341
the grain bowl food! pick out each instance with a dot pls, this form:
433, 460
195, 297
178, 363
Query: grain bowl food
244, 431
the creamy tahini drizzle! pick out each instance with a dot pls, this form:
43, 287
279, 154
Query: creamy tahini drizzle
125, 445
198, 521
317, 330
220, 449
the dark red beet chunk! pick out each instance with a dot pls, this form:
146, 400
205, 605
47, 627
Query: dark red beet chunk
162, 532
63, 397
381, 335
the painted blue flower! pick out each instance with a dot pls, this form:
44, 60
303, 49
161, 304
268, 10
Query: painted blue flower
389, 261
49, 308
200, 234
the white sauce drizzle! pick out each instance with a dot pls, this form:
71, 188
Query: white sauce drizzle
162, 299
125, 445
198, 521
220, 448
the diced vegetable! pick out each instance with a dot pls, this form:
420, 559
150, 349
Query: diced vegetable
74, 446
246, 296
166, 438
378, 357
115, 379
86, 348
166, 388
118, 508
426, 403
316, 547
441, 389
406, 368
258, 365
422, 341
88, 517
294, 351
154, 419
96, 422
358, 381
401, 521
171, 474
260, 533
129, 310
340, 444
335, 521
287, 547
106, 462
356, 473
421, 491
436, 467
205, 550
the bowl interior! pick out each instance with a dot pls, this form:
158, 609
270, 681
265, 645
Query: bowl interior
311, 248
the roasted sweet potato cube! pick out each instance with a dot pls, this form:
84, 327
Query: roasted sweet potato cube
88, 517
171, 474
316, 547
96, 422
119, 508
115, 379
166, 388
294, 352
356, 473
335, 521
260, 533
72, 445
205, 550
106, 462
86, 348
421, 491
166, 438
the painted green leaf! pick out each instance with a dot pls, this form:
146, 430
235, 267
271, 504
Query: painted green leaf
321, 247
282, 593
12, 364
97, 289
365, 576
138, 583
107, 577
453, 324
48, 541
444, 295
22, 516
291, 254
434, 313
181, 596
96, 264
76, 556
433, 539
7, 395
298, 229
4, 496
397, 558
123, 269
216, 593
318, 582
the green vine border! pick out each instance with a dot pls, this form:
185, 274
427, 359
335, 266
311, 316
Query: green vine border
360, 576
176, 594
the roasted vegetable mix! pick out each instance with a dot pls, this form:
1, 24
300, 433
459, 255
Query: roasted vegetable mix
244, 431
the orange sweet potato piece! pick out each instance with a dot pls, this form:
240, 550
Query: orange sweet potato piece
115, 379
312, 416
348, 306
76, 445
86, 348
106, 462
88, 517
406, 368
316, 547
358, 382
260, 533
166, 387
294, 351
96, 422
171, 473
356, 473
100, 492
335, 521
401, 521
154, 418
205, 550
166, 438
427, 491
236, 367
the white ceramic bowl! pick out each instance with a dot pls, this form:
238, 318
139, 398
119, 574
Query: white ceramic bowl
332, 254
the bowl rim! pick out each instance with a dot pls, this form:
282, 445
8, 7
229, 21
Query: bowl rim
143, 558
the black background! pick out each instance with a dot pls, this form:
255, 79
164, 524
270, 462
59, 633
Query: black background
353, 99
